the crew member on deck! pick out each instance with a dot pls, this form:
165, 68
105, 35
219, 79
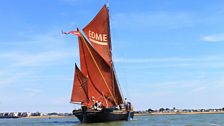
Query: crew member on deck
125, 101
99, 106
127, 104
95, 105
93, 102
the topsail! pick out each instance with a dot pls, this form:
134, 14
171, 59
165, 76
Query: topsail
98, 33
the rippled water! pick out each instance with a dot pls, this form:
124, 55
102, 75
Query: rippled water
151, 120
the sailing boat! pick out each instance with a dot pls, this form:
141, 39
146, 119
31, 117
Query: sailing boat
96, 86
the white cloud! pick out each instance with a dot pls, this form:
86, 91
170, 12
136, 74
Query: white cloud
11, 77
20, 43
34, 59
24, 61
179, 92
149, 19
38, 49
198, 89
31, 91
215, 61
213, 38
151, 60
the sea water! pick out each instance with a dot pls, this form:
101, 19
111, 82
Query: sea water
150, 120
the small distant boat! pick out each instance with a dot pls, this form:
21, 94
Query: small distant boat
96, 86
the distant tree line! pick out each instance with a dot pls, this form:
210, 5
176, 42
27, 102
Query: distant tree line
174, 109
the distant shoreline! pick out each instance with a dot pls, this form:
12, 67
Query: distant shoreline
175, 113
48, 117
138, 114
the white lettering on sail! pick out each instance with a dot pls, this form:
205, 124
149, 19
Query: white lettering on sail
97, 38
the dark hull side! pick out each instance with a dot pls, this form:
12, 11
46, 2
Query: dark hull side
102, 116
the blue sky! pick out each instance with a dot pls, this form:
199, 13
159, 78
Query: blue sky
166, 53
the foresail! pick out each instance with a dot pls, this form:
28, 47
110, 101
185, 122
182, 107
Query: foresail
80, 87
98, 32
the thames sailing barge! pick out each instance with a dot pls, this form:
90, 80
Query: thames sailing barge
95, 86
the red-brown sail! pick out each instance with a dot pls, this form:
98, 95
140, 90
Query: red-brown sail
98, 32
80, 89
93, 92
98, 71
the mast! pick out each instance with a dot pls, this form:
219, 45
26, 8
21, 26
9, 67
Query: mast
114, 78
112, 64
110, 48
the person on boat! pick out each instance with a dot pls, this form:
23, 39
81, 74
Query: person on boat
95, 105
93, 99
117, 107
125, 101
99, 106
127, 104
93, 102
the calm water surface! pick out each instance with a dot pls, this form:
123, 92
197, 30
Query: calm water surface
152, 120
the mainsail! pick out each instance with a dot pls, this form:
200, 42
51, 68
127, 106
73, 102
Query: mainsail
96, 62
98, 72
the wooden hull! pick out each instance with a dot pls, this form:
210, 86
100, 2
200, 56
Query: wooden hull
92, 116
